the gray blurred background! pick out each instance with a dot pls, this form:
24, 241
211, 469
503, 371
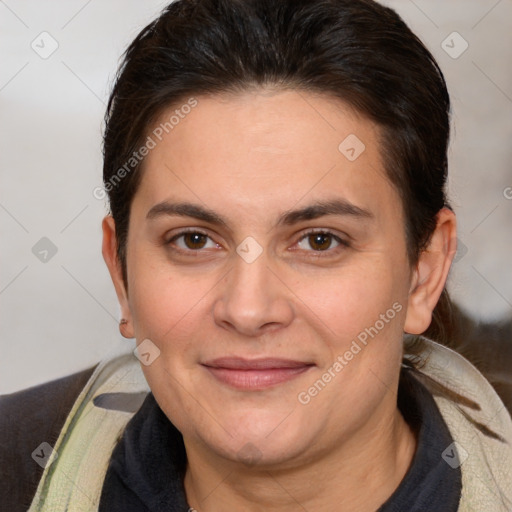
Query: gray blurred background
58, 308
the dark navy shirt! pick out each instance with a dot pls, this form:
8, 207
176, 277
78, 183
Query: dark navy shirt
431, 484
148, 464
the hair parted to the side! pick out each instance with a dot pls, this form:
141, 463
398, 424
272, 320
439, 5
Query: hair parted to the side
355, 50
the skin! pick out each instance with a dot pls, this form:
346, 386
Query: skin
250, 158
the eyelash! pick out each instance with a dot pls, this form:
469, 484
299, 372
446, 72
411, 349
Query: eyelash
342, 244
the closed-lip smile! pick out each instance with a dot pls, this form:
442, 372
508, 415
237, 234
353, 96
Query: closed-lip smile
255, 374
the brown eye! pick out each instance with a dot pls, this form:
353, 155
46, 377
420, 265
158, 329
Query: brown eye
195, 240
192, 241
320, 241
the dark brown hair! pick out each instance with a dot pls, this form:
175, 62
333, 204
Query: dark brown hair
355, 50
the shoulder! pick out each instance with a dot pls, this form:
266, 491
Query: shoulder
28, 418
479, 422
452, 378
488, 346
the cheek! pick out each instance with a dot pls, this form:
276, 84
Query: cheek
169, 309
361, 320
360, 314
165, 302
351, 300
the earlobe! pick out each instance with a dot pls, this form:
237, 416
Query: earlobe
109, 251
431, 273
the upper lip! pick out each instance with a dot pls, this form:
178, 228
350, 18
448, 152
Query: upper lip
240, 363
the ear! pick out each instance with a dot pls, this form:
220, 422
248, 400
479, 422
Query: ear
429, 276
109, 251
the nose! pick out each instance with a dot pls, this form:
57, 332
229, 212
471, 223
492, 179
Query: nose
253, 299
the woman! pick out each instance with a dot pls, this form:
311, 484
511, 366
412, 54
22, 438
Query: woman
279, 239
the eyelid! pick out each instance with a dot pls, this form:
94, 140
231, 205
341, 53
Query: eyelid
184, 231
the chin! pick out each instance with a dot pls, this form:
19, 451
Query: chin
260, 439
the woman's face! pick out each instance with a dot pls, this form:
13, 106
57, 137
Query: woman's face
267, 264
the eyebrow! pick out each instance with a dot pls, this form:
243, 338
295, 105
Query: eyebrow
185, 210
340, 207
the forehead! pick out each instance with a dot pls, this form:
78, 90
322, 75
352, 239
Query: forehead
262, 150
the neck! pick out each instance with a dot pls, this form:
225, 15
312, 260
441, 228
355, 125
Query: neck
360, 475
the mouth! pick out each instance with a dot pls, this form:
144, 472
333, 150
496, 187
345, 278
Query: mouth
255, 374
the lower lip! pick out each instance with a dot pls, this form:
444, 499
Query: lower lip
256, 379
